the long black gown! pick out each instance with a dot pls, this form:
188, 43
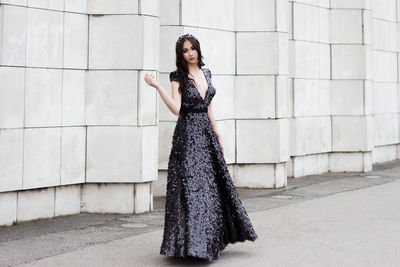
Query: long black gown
203, 212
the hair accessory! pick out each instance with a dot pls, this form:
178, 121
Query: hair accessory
184, 37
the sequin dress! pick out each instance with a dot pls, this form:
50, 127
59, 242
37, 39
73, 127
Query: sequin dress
203, 212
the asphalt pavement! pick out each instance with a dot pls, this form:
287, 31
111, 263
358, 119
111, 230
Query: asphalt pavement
331, 219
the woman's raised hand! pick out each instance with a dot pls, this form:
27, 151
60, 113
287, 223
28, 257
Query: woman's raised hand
150, 80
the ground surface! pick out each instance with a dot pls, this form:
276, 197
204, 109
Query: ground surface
333, 219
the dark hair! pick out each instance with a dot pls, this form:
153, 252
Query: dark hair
181, 64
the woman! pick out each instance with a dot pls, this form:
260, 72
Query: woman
203, 212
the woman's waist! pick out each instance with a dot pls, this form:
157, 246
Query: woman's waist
193, 109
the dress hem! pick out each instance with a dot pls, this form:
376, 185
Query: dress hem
205, 257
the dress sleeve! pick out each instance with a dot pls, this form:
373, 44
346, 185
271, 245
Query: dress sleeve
173, 76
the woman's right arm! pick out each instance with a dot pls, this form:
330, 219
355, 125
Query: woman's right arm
173, 103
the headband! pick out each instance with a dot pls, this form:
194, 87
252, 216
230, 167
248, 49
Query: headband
184, 37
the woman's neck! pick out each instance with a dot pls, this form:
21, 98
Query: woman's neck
192, 68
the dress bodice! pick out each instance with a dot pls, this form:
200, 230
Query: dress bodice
192, 101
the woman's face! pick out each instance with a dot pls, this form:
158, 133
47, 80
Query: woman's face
189, 53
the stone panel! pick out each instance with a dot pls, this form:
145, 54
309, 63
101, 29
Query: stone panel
12, 87
310, 164
310, 135
8, 208
254, 175
283, 97
208, 14
44, 44
385, 11
353, 4
166, 130
11, 156
350, 162
106, 198
79, 6
384, 35
385, 97
150, 7
262, 141
67, 200
263, 62
311, 97
149, 153
41, 157
113, 154
223, 102
35, 204
218, 49
382, 154
319, 3
73, 155
350, 62
256, 91
116, 42
13, 31
255, 15
227, 130
352, 133
113, 7
386, 129
169, 12
142, 197
147, 101
151, 41
168, 37
309, 60
73, 97
347, 97
47, 4
346, 26
310, 23
75, 40
43, 97
385, 66
111, 97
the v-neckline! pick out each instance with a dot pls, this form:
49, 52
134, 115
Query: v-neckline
198, 91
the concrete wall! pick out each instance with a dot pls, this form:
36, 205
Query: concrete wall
246, 50
314, 85
77, 124
303, 87
385, 84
